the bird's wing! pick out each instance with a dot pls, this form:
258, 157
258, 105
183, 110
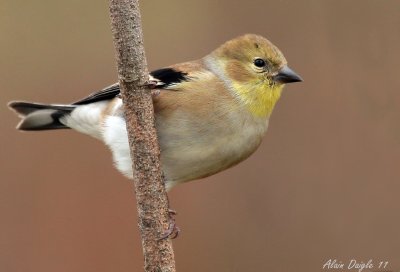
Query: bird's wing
106, 94
165, 79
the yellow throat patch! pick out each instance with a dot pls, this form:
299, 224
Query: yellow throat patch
259, 97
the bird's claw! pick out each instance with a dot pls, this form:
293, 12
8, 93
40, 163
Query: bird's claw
155, 92
173, 230
151, 83
172, 212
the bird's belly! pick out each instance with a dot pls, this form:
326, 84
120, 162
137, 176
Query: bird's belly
188, 162
186, 153
190, 153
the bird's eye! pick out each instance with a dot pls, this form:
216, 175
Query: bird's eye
259, 62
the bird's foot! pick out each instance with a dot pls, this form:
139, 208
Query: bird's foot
155, 92
173, 230
151, 83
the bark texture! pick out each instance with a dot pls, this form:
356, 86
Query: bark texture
152, 200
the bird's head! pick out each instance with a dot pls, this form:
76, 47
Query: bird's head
255, 71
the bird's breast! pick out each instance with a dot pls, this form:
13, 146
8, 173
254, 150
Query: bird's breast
195, 146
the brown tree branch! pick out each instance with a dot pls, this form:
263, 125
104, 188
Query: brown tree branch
152, 201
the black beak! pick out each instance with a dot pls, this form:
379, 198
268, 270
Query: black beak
287, 75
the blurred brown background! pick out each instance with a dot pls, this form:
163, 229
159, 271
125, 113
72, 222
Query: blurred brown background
324, 184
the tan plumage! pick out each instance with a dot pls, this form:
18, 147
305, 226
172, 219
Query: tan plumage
210, 114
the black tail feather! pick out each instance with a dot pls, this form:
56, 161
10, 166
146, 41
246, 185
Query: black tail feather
37, 116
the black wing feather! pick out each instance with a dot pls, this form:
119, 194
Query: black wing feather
105, 94
166, 76
169, 76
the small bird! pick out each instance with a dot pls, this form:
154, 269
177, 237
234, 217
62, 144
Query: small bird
210, 114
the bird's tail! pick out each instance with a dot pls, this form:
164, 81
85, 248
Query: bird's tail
37, 116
